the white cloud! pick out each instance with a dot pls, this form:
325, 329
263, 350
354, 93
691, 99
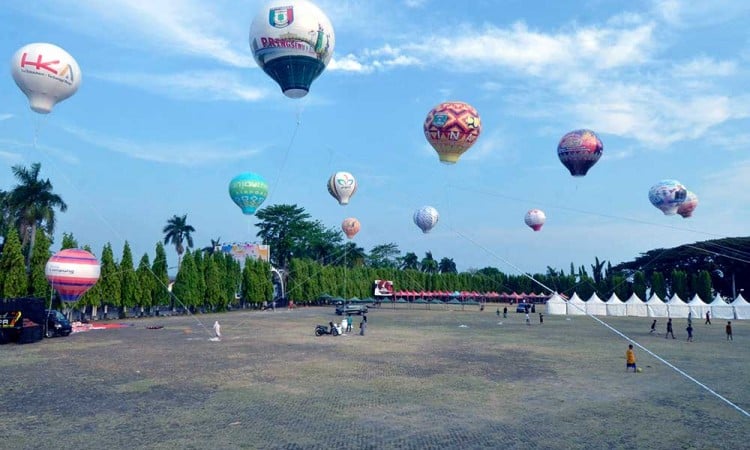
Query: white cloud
414, 3
180, 153
704, 67
5, 117
196, 85
733, 182
14, 151
373, 59
690, 13
181, 27
10, 157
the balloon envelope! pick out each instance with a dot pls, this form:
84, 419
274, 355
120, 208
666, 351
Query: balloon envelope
248, 190
292, 41
426, 218
342, 185
535, 218
687, 207
667, 196
579, 150
452, 128
72, 272
46, 73
350, 227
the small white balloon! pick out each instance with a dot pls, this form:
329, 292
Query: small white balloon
426, 218
46, 73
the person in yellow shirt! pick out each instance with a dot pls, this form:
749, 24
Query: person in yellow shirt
630, 358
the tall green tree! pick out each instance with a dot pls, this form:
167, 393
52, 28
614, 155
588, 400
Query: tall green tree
185, 289
146, 282
177, 232
658, 285
679, 284
33, 204
13, 278
128, 279
703, 286
161, 295
38, 284
107, 291
214, 292
639, 285
354, 255
68, 241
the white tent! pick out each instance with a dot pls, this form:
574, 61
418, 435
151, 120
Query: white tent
721, 309
575, 306
556, 305
698, 307
635, 307
615, 306
596, 306
656, 307
741, 308
677, 308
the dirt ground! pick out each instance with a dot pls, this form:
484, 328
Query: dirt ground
418, 379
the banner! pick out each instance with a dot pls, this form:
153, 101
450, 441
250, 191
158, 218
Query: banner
242, 250
383, 288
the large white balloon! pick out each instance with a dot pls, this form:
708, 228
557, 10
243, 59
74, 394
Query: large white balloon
535, 219
292, 41
342, 185
46, 73
426, 218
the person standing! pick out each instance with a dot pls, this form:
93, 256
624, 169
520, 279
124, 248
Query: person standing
653, 327
729, 331
708, 317
217, 330
362, 327
528, 319
690, 332
541, 318
669, 329
497, 312
349, 320
505, 312
690, 318
630, 359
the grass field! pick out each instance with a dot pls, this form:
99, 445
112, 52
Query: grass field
418, 379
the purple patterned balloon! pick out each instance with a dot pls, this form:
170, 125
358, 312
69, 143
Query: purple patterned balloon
579, 150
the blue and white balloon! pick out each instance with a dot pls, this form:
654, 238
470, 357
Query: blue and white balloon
426, 218
667, 196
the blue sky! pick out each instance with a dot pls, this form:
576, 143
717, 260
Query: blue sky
172, 107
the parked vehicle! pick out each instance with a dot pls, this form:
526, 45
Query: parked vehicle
57, 324
351, 309
523, 307
320, 330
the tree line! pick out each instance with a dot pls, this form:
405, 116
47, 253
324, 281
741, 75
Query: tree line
317, 260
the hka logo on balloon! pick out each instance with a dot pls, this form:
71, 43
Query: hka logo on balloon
46, 68
281, 17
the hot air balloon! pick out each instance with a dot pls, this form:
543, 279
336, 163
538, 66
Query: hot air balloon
535, 218
350, 227
292, 41
72, 272
248, 190
687, 207
451, 128
426, 218
46, 73
667, 195
342, 185
579, 150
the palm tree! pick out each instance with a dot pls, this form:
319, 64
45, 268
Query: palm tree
354, 255
409, 261
212, 248
32, 204
428, 263
447, 265
176, 232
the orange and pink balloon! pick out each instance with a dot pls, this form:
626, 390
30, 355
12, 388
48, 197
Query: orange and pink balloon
350, 227
72, 272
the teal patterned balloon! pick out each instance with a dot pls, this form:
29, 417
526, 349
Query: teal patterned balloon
248, 190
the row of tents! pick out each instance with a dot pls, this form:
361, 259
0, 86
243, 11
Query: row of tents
674, 307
